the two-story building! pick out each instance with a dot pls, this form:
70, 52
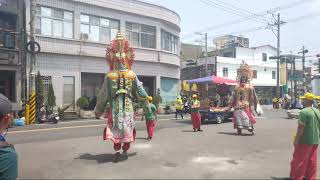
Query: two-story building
264, 69
12, 45
74, 34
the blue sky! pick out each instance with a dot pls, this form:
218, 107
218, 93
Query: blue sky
197, 15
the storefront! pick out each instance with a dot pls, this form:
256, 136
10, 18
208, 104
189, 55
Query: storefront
265, 94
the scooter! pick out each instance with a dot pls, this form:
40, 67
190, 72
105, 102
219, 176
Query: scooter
52, 118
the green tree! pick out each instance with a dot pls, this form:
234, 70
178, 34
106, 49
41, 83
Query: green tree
39, 91
51, 98
157, 99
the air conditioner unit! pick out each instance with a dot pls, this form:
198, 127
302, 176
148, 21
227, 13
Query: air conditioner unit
84, 36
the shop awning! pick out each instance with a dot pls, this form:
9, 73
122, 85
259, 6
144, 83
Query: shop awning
212, 80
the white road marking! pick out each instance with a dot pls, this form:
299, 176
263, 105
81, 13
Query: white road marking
51, 129
142, 146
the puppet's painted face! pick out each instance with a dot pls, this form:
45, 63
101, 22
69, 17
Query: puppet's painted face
243, 80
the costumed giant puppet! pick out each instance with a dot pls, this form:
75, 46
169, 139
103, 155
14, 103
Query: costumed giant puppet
121, 86
244, 98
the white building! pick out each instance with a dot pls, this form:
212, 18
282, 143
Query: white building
264, 69
73, 35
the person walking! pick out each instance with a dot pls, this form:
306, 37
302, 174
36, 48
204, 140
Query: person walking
8, 155
179, 108
307, 139
195, 115
150, 113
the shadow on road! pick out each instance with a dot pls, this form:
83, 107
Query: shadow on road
102, 158
187, 131
183, 121
234, 134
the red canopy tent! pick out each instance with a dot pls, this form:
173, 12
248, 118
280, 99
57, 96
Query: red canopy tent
212, 80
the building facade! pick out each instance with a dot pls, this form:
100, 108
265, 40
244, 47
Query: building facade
12, 45
229, 41
264, 69
74, 34
190, 51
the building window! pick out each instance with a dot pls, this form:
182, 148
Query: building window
169, 42
254, 74
99, 29
264, 56
273, 74
54, 22
46, 80
7, 30
141, 35
225, 72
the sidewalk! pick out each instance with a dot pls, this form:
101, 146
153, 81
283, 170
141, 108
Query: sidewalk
93, 122
84, 122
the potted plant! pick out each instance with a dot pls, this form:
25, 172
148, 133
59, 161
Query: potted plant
82, 103
62, 110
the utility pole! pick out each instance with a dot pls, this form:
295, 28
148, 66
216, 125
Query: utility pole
277, 24
33, 5
291, 75
304, 51
319, 65
206, 49
216, 60
318, 56
278, 55
295, 81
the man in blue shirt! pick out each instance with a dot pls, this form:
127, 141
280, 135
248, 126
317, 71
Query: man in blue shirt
8, 156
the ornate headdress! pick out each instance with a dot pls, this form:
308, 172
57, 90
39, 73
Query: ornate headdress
244, 72
120, 52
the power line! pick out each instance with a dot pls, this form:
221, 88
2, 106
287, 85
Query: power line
262, 13
293, 20
228, 9
297, 19
240, 10
253, 29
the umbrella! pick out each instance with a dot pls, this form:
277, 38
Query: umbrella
212, 80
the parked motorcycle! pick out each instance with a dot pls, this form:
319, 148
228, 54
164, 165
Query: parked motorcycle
52, 118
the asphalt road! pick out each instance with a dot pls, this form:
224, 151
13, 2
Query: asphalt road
79, 129
78, 152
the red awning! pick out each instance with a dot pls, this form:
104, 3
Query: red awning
220, 80
212, 80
